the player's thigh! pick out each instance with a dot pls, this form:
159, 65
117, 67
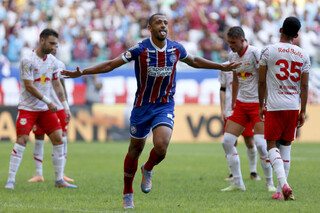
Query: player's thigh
259, 127
49, 122
234, 128
24, 124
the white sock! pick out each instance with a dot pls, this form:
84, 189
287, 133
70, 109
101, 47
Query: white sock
232, 157
252, 155
65, 149
57, 160
15, 160
277, 164
38, 156
285, 155
264, 161
234, 163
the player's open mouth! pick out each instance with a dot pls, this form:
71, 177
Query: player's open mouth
163, 32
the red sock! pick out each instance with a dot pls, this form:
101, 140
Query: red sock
130, 168
153, 160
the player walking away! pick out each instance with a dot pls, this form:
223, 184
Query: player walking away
38, 73
284, 74
39, 133
246, 109
225, 79
155, 68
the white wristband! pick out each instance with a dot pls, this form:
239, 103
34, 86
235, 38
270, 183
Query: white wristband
46, 100
65, 105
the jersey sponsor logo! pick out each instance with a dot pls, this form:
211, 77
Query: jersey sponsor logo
160, 71
23, 121
173, 58
244, 75
290, 50
43, 79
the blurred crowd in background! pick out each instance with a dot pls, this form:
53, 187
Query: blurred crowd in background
93, 31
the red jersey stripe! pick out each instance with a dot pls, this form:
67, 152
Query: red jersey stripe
143, 77
158, 80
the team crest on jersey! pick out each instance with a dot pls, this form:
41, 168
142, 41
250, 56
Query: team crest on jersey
173, 58
247, 64
133, 129
128, 55
23, 121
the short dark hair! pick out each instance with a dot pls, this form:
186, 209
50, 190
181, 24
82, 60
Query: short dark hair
291, 26
48, 32
236, 32
151, 17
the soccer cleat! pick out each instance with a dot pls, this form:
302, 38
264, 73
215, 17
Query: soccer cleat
36, 178
277, 196
233, 187
128, 201
271, 188
286, 191
291, 197
255, 176
63, 184
146, 183
230, 178
10, 185
68, 179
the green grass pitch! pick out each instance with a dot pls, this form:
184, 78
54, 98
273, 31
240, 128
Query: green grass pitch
188, 180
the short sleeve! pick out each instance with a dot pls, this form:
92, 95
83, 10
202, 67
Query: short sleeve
264, 57
256, 57
26, 69
182, 50
132, 53
306, 66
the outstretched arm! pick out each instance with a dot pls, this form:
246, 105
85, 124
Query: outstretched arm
103, 67
198, 62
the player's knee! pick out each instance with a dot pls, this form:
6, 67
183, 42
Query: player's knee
22, 140
161, 147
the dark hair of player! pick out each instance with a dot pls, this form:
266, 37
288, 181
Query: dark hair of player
236, 32
151, 17
48, 32
291, 26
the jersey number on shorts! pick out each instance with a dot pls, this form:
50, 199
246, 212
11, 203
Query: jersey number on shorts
293, 69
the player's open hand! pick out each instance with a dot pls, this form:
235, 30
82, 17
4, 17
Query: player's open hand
301, 119
71, 74
230, 66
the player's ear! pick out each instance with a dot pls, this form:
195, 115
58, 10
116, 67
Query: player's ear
296, 36
149, 27
280, 30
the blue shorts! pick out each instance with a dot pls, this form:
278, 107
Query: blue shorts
150, 116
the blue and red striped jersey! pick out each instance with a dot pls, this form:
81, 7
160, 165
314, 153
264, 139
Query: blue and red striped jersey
155, 70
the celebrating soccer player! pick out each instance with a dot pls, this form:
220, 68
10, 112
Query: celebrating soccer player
155, 68
283, 76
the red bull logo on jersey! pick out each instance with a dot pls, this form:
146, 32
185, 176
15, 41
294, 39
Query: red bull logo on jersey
290, 50
244, 75
43, 79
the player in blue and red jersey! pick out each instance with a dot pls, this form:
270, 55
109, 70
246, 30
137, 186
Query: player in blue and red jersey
155, 68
